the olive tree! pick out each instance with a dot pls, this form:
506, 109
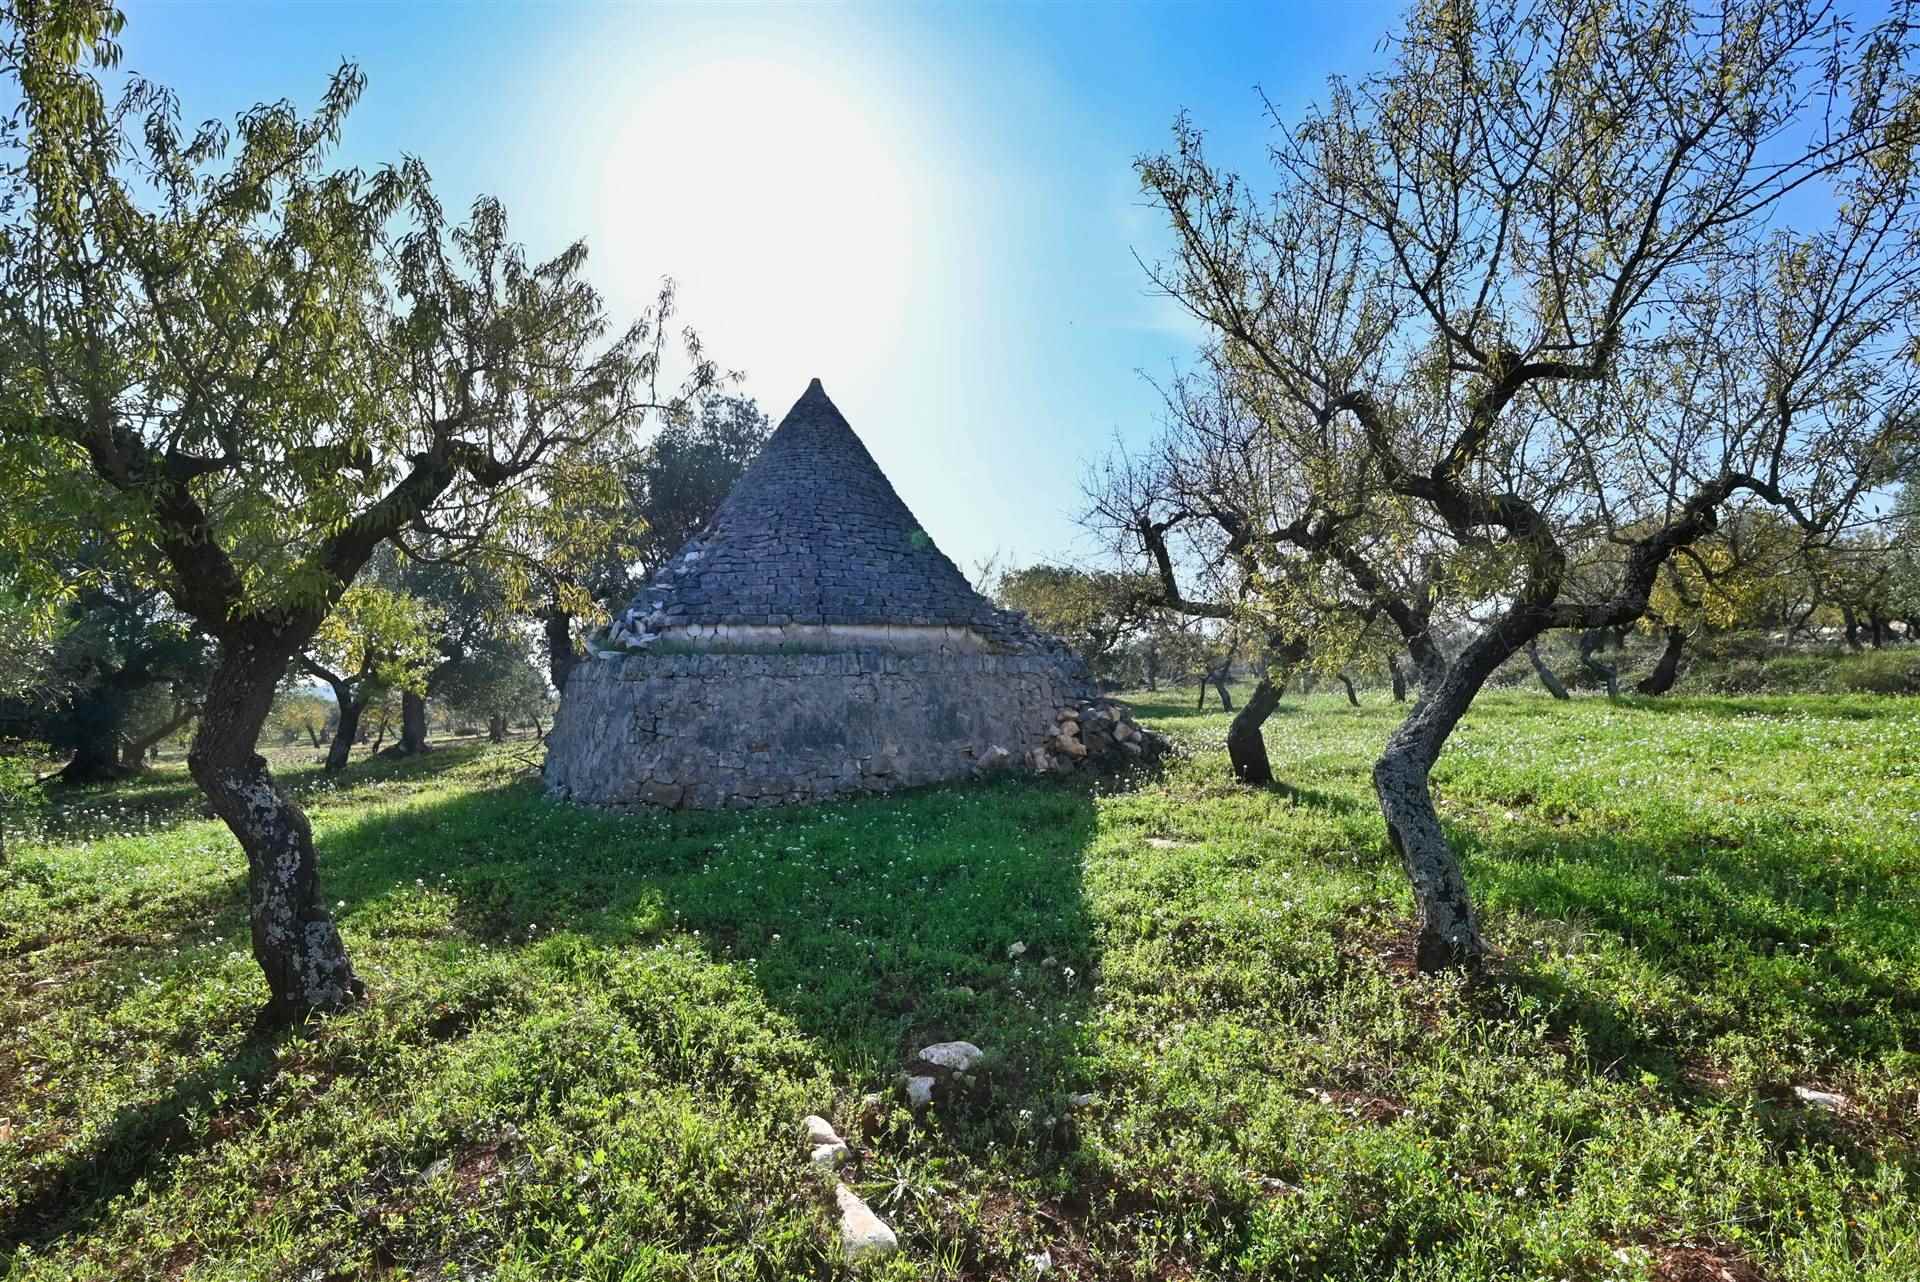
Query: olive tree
255, 370
1562, 273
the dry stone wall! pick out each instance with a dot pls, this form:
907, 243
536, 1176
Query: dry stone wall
705, 731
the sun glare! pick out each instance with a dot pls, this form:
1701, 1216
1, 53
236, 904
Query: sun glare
780, 204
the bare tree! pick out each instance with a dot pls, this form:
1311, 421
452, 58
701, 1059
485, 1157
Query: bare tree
1523, 314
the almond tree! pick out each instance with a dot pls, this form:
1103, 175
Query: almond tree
1564, 274
254, 371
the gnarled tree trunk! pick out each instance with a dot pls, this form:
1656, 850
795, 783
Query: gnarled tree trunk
497, 728
351, 705
95, 760
558, 625
1449, 934
294, 939
133, 755
1346, 681
1664, 673
1591, 642
1217, 678
1246, 746
1399, 678
1541, 670
413, 723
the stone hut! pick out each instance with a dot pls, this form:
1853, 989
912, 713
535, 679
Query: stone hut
812, 641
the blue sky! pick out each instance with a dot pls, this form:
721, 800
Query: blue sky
930, 207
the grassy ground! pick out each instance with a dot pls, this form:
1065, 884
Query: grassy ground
592, 1039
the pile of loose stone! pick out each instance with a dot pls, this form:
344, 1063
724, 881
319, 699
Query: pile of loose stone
1095, 734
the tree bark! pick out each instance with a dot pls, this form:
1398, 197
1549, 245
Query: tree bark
1541, 670
134, 755
96, 760
1877, 629
1346, 681
294, 939
1853, 628
413, 723
1448, 933
1591, 642
345, 732
1399, 678
497, 728
1664, 673
560, 653
1246, 746
313, 734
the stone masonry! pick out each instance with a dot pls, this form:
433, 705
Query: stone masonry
811, 643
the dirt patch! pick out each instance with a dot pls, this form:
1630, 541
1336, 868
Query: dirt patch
1702, 1264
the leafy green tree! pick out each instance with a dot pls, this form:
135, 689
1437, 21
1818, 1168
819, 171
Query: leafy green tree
1094, 611
255, 371
670, 487
498, 681
122, 642
375, 642
299, 714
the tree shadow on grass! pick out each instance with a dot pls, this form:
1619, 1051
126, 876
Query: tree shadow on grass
1167, 705
1736, 938
1740, 707
140, 1145
870, 928
165, 798
877, 925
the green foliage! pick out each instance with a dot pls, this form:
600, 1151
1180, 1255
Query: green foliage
497, 677
21, 799
250, 369
1094, 611
1891, 671
379, 634
597, 1035
298, 717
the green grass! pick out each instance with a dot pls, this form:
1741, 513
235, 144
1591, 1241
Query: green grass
592, 1038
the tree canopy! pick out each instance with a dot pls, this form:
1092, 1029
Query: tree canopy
1564, 276
249, 370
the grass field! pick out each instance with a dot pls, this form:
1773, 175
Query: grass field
592, 1039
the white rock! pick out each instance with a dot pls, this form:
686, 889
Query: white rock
1017, 948
1821, 1099
828, 1156
1086, 1099
864, 1235
819, 1130
919, 1091
1041, 1262
958, 1056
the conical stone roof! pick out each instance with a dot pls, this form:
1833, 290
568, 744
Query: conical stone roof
813, 535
